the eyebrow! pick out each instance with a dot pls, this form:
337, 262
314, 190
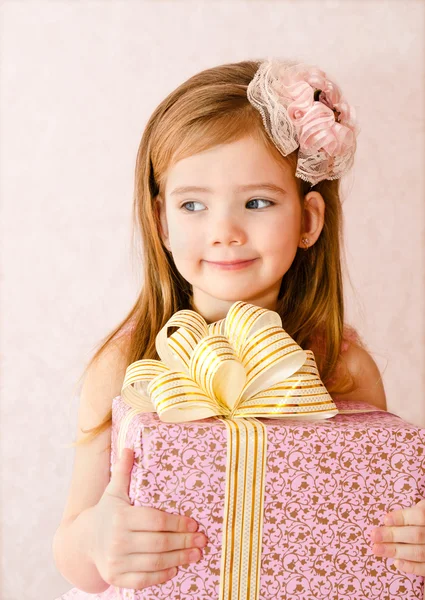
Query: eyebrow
240, 188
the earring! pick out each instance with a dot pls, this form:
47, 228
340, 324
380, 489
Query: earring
305, 241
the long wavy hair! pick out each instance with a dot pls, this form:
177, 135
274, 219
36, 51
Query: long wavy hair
208, 109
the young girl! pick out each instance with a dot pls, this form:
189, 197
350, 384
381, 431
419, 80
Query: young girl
236, 198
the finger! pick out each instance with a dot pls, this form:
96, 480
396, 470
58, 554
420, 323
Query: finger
413, 552
121, 474
407, 534
146, 518
410, 567
152, 562
414, 515
163, 542
139, 581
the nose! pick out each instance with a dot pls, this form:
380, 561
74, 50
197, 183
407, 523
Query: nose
226, 230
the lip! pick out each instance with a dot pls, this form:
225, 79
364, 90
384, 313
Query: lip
231, 265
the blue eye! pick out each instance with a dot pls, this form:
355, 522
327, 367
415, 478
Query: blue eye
260, 200
191, 202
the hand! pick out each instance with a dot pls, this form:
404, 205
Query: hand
404, 540
136, 546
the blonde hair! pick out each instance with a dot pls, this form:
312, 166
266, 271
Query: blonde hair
208, 109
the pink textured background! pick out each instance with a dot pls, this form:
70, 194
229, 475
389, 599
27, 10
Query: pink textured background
78, 81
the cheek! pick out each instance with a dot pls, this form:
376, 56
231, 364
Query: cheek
281, 235
185, 239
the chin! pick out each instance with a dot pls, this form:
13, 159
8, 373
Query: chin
232, 298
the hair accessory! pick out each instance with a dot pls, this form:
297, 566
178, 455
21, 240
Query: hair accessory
302, 108
305, 242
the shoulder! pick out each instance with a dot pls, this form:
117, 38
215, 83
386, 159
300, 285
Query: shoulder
367, 377
102, 382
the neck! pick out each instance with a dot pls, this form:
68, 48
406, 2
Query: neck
213, 312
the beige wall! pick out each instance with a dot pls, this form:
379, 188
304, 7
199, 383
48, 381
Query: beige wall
78, 81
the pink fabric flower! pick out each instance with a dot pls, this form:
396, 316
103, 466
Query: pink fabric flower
322, 118
301, 108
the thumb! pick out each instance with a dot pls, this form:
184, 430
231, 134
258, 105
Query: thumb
121, 475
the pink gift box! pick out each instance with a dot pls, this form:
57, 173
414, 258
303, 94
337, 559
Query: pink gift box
328, 484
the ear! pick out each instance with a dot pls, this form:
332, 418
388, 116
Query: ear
161, 216
313, 218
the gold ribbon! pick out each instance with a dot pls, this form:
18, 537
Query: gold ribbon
238, 369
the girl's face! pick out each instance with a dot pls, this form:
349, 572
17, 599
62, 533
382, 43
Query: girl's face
226, 222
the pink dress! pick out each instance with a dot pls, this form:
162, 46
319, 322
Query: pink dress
350, 336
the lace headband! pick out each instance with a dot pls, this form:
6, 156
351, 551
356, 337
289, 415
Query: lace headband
301, 108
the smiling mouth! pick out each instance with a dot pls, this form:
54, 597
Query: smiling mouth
232, 265
230, 262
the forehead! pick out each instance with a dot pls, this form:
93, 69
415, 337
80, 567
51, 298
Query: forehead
230, 165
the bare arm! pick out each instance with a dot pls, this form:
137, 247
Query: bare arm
73, 540
71, 550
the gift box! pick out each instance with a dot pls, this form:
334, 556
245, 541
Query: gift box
234, 428
327, 485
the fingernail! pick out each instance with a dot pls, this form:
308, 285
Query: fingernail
194, 555
200, 540
377, 535
192, 526
389, 520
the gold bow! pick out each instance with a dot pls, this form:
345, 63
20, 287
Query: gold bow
240, 368
245, 365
